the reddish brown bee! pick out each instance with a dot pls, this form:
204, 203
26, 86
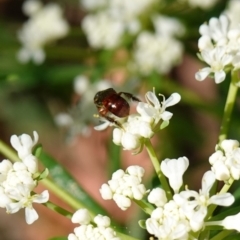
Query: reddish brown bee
110, 102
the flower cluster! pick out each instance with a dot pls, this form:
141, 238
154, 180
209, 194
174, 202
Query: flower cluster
100, 229
124, 186
226, 161
167, 221
18, 180
45, 24
219, 47
77, 120
141, 126
112, 21
174, 217
106, 27
159, 51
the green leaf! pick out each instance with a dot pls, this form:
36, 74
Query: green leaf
223, 214
64, 179
199, 56
233, 236
43, 174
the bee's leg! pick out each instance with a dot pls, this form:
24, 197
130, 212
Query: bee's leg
129, 96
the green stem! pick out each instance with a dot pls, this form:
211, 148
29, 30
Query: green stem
8, 152
156, 165
58, 209
224, 189
227, 185
147, 208
62, 194
125, 237
231, 98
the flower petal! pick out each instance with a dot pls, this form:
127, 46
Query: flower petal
226, 199
172, 100
31, 215
219, 76
81, 216
41, 198
153, 99
102, 126
202, 73
207, 182
232, 222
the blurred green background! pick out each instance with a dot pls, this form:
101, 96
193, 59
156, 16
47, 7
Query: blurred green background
32, 95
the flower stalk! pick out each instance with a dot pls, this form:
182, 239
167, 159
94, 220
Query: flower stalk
231, 98
156, 165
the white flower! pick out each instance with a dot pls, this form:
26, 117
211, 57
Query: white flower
218, 59
122, 201
158, 197
106, 192
132, 131
154, 52
168, 222
229, 145
168, 26
232, 11
23, 199
217, 30
102, 221
17, 180
81, 84
45, 25
220, 169
63, 119
231, 222
219, 47
93, 4
25, 54
104, 124
124, 186
127, 10
102, 31
194, 205
31, 163
226, 162
153, 110
77, 120
31, 7
174, 169
24, 144
130, 141
5, 167
101, 229
81, 216
4, 198
17, 176
136, 171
